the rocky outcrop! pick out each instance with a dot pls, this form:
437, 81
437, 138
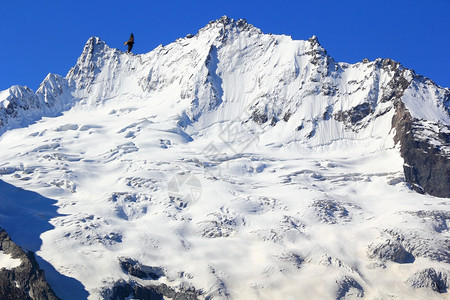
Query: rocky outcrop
26, 281
405, 247
136, 269
355, 114
423, 147
437, 281
391, 250
136, 288
132, 290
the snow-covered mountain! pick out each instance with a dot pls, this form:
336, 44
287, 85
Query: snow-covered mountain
231, 163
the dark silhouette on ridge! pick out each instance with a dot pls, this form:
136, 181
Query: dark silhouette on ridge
130, 43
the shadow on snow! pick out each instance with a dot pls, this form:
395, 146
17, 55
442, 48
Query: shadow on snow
25, 215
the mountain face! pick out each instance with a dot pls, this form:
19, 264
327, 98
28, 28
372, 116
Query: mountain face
24, 281
290, 89
233, 163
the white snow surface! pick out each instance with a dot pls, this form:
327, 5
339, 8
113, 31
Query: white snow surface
7, 262
286, 206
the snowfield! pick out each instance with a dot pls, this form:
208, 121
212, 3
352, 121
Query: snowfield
231, 164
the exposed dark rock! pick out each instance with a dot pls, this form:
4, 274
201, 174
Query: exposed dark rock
10, 292
274, 121
438, 281
259, 117
122, 290
388, 63
317, 53
311, 133
355, 114
329, 89
135, 268
26, 281
427, 165
314, 41
287, 116
328, 112
398, 84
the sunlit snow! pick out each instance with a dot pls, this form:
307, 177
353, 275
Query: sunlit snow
277, 197
7, 262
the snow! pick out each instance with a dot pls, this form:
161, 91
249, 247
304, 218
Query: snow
7, 262
282, 207
418, 97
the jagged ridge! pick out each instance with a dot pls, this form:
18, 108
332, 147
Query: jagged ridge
285, 91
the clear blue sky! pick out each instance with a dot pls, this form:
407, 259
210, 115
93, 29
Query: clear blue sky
41, 37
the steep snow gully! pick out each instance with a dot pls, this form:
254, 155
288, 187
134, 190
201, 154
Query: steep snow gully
232, 164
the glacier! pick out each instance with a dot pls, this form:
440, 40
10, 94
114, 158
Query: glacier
233, 164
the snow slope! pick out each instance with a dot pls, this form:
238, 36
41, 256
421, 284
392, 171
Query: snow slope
232, 163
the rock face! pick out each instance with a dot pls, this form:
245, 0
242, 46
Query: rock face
27, 281
126, 289
425, 149
136, 269
137, 290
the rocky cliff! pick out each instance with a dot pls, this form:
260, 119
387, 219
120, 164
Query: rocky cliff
27, 280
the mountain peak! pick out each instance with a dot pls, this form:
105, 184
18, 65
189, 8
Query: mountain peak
95, 40
224, 20
93, 45
227, 21
95, 54
227, 25
314, 40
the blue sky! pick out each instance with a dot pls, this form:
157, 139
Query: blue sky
41, 37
